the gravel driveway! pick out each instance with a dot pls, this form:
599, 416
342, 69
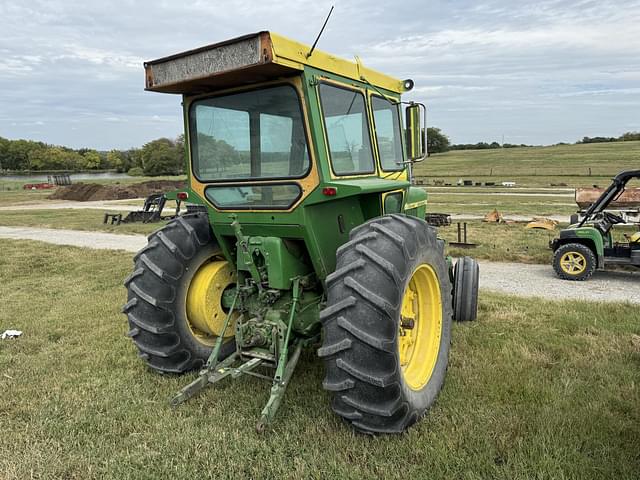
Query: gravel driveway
510, 278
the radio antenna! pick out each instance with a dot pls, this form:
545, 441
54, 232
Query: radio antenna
320, 34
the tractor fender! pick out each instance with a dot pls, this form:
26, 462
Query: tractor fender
586, 236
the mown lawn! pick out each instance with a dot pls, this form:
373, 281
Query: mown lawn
75, 219
507, 203
575, 165
535, 390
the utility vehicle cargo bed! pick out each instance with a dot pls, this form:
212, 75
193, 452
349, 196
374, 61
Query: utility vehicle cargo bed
629, 199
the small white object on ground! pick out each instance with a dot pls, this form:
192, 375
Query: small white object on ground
10, 334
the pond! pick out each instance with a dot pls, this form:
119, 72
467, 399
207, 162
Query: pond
42, 177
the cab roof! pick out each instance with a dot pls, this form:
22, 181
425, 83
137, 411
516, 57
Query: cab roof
252, 58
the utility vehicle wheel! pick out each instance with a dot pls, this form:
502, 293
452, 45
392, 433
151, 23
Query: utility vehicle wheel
466, 276
574, 261
387, 324
175, 292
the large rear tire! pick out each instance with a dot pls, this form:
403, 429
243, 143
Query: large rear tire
387, 324
157, 296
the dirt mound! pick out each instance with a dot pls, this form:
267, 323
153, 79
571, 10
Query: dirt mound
83, 192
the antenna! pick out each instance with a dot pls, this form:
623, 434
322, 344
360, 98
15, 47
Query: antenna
320, 34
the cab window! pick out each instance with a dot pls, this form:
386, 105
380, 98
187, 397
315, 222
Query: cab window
386, 118
347, 128
248, 136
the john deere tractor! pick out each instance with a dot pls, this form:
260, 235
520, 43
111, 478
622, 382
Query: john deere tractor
587, 244
309, 233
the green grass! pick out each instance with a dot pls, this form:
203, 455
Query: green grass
13, 196
575, 165
74, 219
534, 390
502, 242
508, 203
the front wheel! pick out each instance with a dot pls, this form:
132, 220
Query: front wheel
574, 261
387, 324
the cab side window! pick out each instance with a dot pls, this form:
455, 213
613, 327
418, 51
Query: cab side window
347, 128
386, 118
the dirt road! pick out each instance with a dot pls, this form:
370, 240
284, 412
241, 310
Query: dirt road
510, 278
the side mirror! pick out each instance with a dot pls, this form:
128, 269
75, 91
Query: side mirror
416, 121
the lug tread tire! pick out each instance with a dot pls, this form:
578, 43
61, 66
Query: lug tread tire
155, 307
360, 324
592, 262
465, 290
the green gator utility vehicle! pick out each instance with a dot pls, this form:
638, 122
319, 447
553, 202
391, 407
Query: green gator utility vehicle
587, 245
310, 231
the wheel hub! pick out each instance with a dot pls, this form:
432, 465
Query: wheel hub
420, 327
205, 313
573, 263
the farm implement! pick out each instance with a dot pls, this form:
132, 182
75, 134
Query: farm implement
312, 234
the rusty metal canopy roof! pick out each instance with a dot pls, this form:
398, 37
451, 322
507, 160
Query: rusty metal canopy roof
249, 59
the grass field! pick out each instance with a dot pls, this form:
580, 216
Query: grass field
575, 165
534, 390
508, 203
75, 219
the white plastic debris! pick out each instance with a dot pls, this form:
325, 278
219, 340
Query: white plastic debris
10, 334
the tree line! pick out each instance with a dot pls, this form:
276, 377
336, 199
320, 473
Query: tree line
167, 157
158, 157
438, 142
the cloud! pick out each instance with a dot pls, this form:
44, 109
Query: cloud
543, 71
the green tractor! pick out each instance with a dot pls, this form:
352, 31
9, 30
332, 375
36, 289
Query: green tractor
310, 233
587, 244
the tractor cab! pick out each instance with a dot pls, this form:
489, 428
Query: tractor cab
588, 244
289, 139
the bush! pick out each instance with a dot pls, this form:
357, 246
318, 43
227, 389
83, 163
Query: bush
135, 172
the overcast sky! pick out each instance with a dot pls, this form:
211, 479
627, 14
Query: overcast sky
537, 72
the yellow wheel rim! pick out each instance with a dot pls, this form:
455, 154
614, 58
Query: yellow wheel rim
573, 263
420, 327
205, 315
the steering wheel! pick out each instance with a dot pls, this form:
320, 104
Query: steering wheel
613, 219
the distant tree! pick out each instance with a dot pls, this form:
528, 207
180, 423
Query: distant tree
219, 155
437, 142
55, 158
597, 140
161, 157
4, 145
90, 160
630, 136
115, 159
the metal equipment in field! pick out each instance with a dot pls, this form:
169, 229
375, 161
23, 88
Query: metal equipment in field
587, 244
313, 235
153, 209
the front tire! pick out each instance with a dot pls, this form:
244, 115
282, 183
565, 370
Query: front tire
157, 296
465, 290
574, 261
387, 324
